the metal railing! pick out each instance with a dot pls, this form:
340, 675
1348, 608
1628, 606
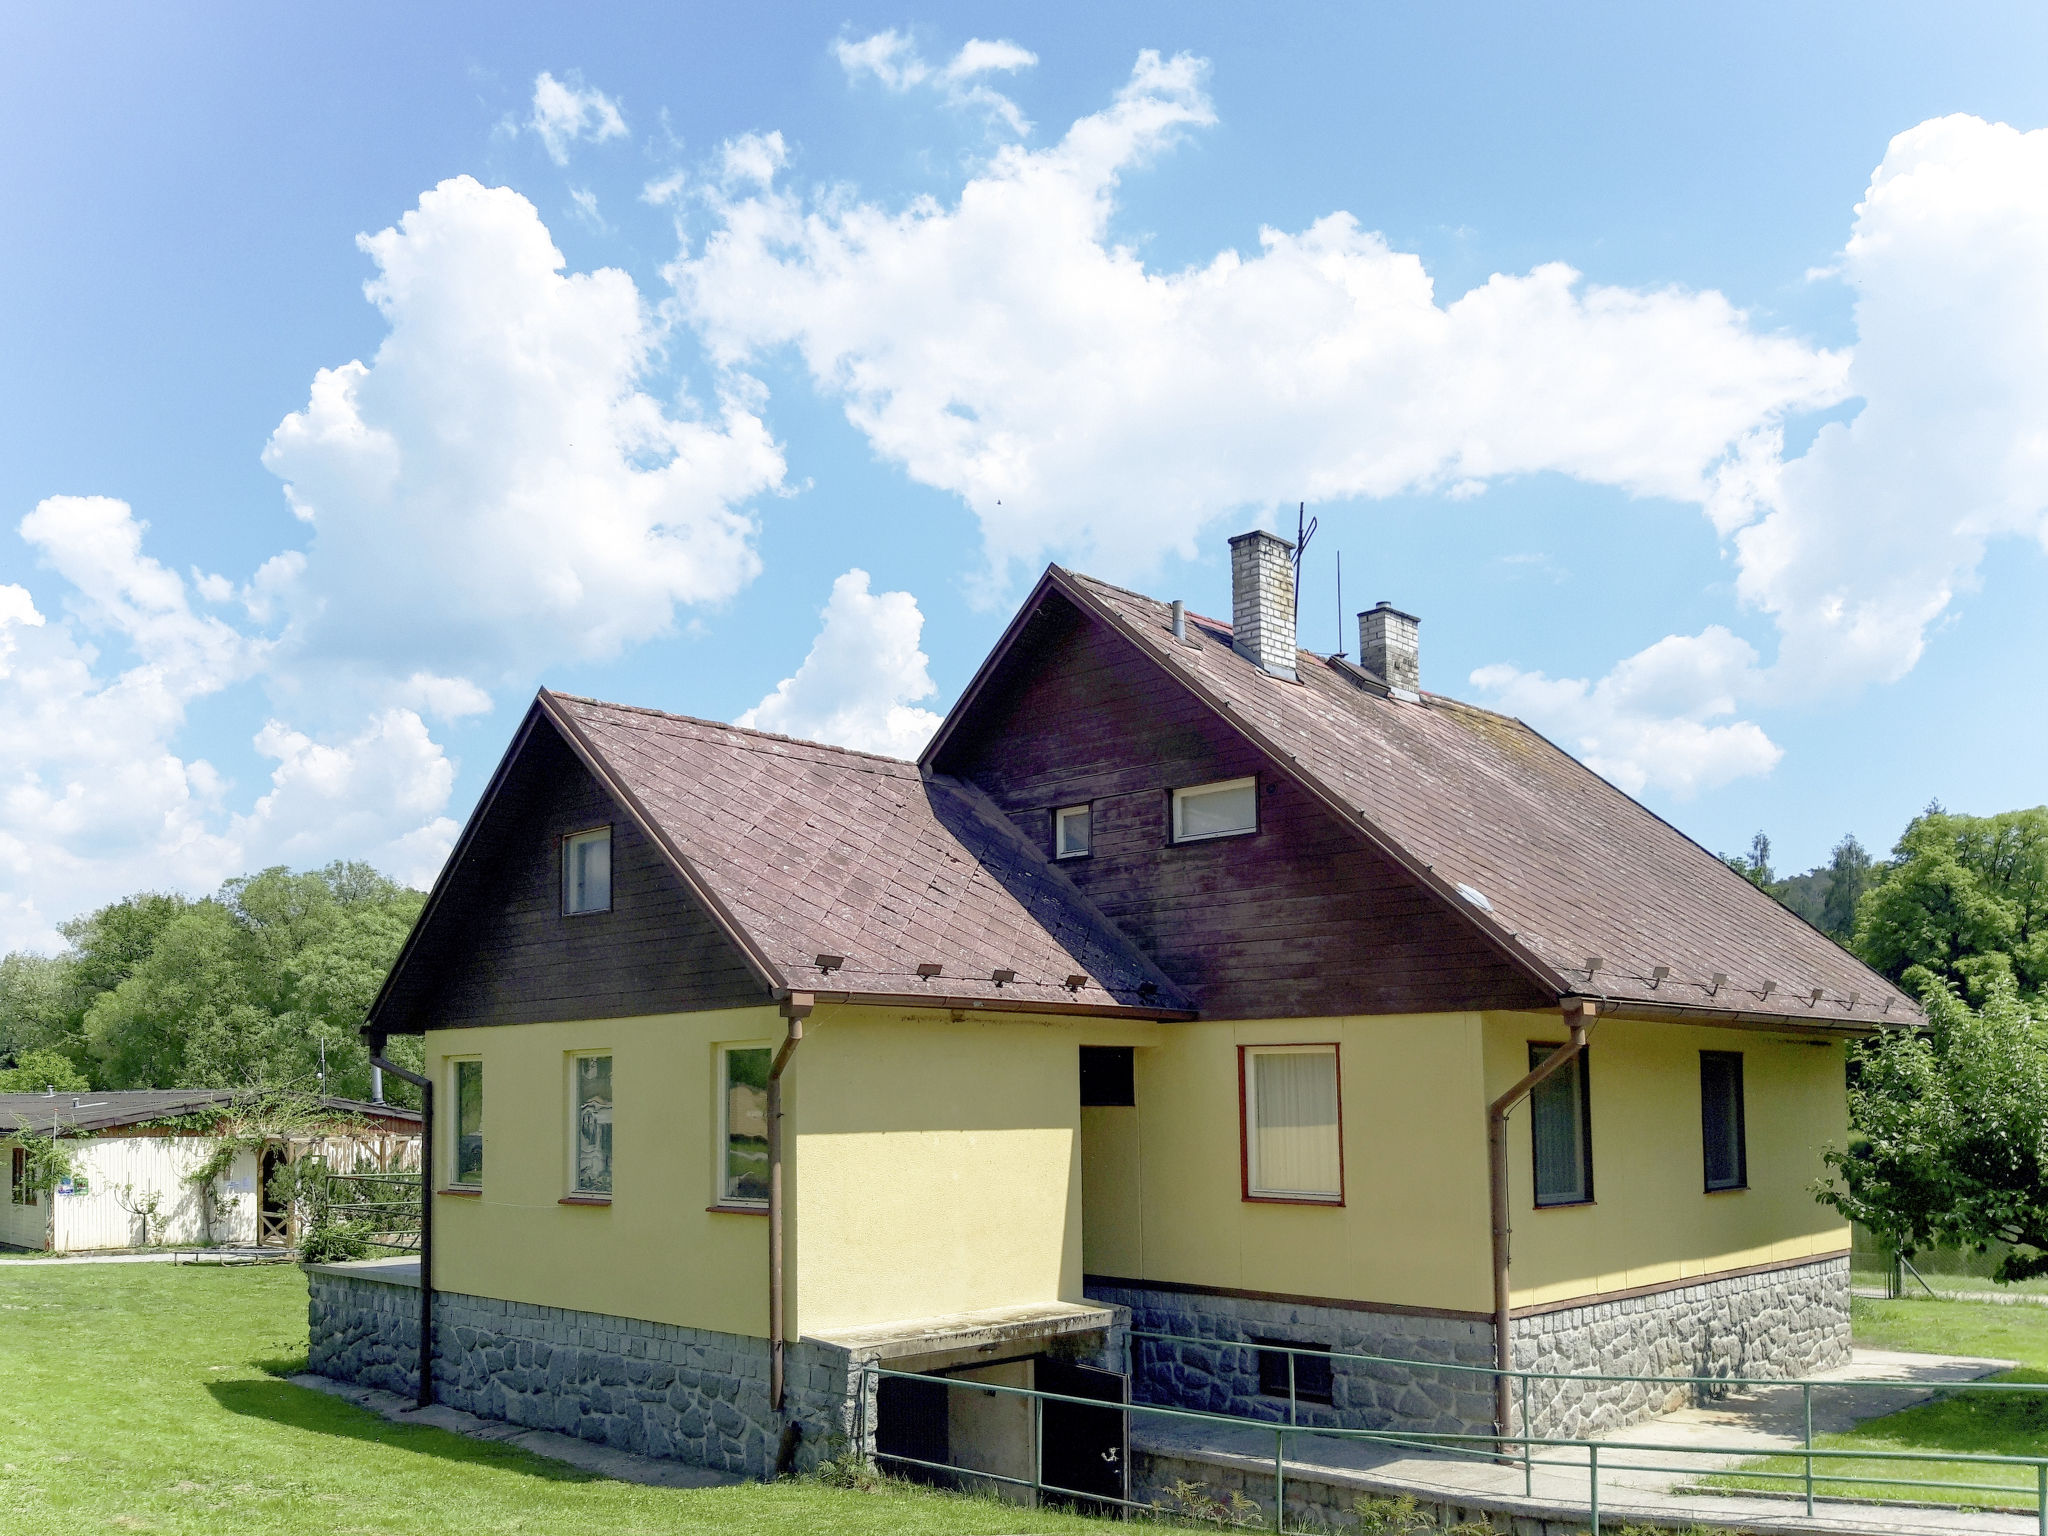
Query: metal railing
389, 1202
1588, 1457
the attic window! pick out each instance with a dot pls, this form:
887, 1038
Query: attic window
587, 871
1227, 808
1070, 832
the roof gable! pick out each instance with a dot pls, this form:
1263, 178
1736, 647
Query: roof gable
1528, 846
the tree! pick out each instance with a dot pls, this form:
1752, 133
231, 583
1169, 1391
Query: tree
1755, 866
35, 1071
1848, 877
1962, 902
1951, 1123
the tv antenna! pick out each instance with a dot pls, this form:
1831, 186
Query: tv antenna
1304, 530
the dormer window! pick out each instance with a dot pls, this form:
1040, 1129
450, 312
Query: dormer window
587, 871
1070, 831
1227, 808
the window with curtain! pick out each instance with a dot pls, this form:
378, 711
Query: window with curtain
743, 1133
469, 1122
1227, 808
1561, 1122
1721, 1127
591, 1155
587, 871
1070, 824
1292, 1145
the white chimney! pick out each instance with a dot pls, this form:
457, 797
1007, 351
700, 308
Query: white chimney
1262, 601
1390, 647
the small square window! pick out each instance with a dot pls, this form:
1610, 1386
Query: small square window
1070, 831
469, 1123
1228, 808
591, 1133
1293, 1141
1108, 1077
587, 871
1721, 1117
743, 1126
1313, 1380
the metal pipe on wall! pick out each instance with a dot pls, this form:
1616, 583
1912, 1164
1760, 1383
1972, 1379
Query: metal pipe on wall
426, 1088
795, 1008
1579, 1017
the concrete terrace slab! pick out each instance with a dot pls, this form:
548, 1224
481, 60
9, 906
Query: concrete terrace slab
624, 1466
1682, 1447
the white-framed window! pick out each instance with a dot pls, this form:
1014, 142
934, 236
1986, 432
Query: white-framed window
590, 1123
466, 1082
1071, 830
743, 1124
587, 871
1293, 1123
1227, 808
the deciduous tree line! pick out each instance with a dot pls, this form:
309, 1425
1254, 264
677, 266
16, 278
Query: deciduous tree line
248, 988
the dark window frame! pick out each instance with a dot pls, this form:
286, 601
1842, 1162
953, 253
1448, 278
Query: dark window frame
1109, 1077
1740, 1181
1539, 1052
1315, 1376
610, 832
1251, 1196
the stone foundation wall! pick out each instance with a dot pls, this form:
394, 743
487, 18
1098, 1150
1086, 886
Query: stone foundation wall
1782, 1322
652, 1388
1221, 1375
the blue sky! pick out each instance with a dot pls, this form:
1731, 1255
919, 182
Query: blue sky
1681, 366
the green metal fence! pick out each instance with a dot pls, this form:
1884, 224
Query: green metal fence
1591, 1458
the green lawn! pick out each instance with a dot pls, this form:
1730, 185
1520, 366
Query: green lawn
1986, 1424
146, 1397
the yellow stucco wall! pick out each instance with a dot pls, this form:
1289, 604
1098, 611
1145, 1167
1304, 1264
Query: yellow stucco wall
937, 1169
934, 1168
655, 1252
1413, 1228
1651, 1221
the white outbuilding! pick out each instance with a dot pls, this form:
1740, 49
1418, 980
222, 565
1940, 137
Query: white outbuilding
135, 1167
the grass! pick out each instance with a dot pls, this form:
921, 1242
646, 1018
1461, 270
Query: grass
147, 1397
1981, 1424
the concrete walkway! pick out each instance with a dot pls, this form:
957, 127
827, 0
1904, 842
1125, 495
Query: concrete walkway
657, 1472
1674, 1451
163, 1256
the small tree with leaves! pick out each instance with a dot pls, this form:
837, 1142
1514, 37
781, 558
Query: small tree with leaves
1952, 1126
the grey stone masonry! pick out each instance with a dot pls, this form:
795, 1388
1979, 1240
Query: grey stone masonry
1390, 646
652, 1388
1262, 601
1777, 1323
1220, 1373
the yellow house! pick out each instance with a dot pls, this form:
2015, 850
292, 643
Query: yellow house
1193, 993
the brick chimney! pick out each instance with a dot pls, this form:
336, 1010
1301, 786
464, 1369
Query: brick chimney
1262, 601
1390, 647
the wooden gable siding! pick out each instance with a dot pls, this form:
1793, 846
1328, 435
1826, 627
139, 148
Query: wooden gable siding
517, 959
1300, 919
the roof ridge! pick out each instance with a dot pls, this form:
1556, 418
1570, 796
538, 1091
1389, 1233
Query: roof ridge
743, 730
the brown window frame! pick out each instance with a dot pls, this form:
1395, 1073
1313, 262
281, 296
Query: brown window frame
1539, 1050
1244, 1126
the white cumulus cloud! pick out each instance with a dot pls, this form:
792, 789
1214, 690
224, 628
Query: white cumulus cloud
1657, 721
565, 112
892, 60
1003, 346
495, 489
861, 682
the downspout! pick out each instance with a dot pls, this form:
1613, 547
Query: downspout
1579, 1018
795, 1008
426, 1088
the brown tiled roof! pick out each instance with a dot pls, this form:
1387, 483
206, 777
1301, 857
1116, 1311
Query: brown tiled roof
108, 1109
1533, 845
817, 850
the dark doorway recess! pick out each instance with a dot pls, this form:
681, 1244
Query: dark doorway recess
910, 1420
1087, 1450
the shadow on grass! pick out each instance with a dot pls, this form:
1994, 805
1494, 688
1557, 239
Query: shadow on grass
301, 1408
